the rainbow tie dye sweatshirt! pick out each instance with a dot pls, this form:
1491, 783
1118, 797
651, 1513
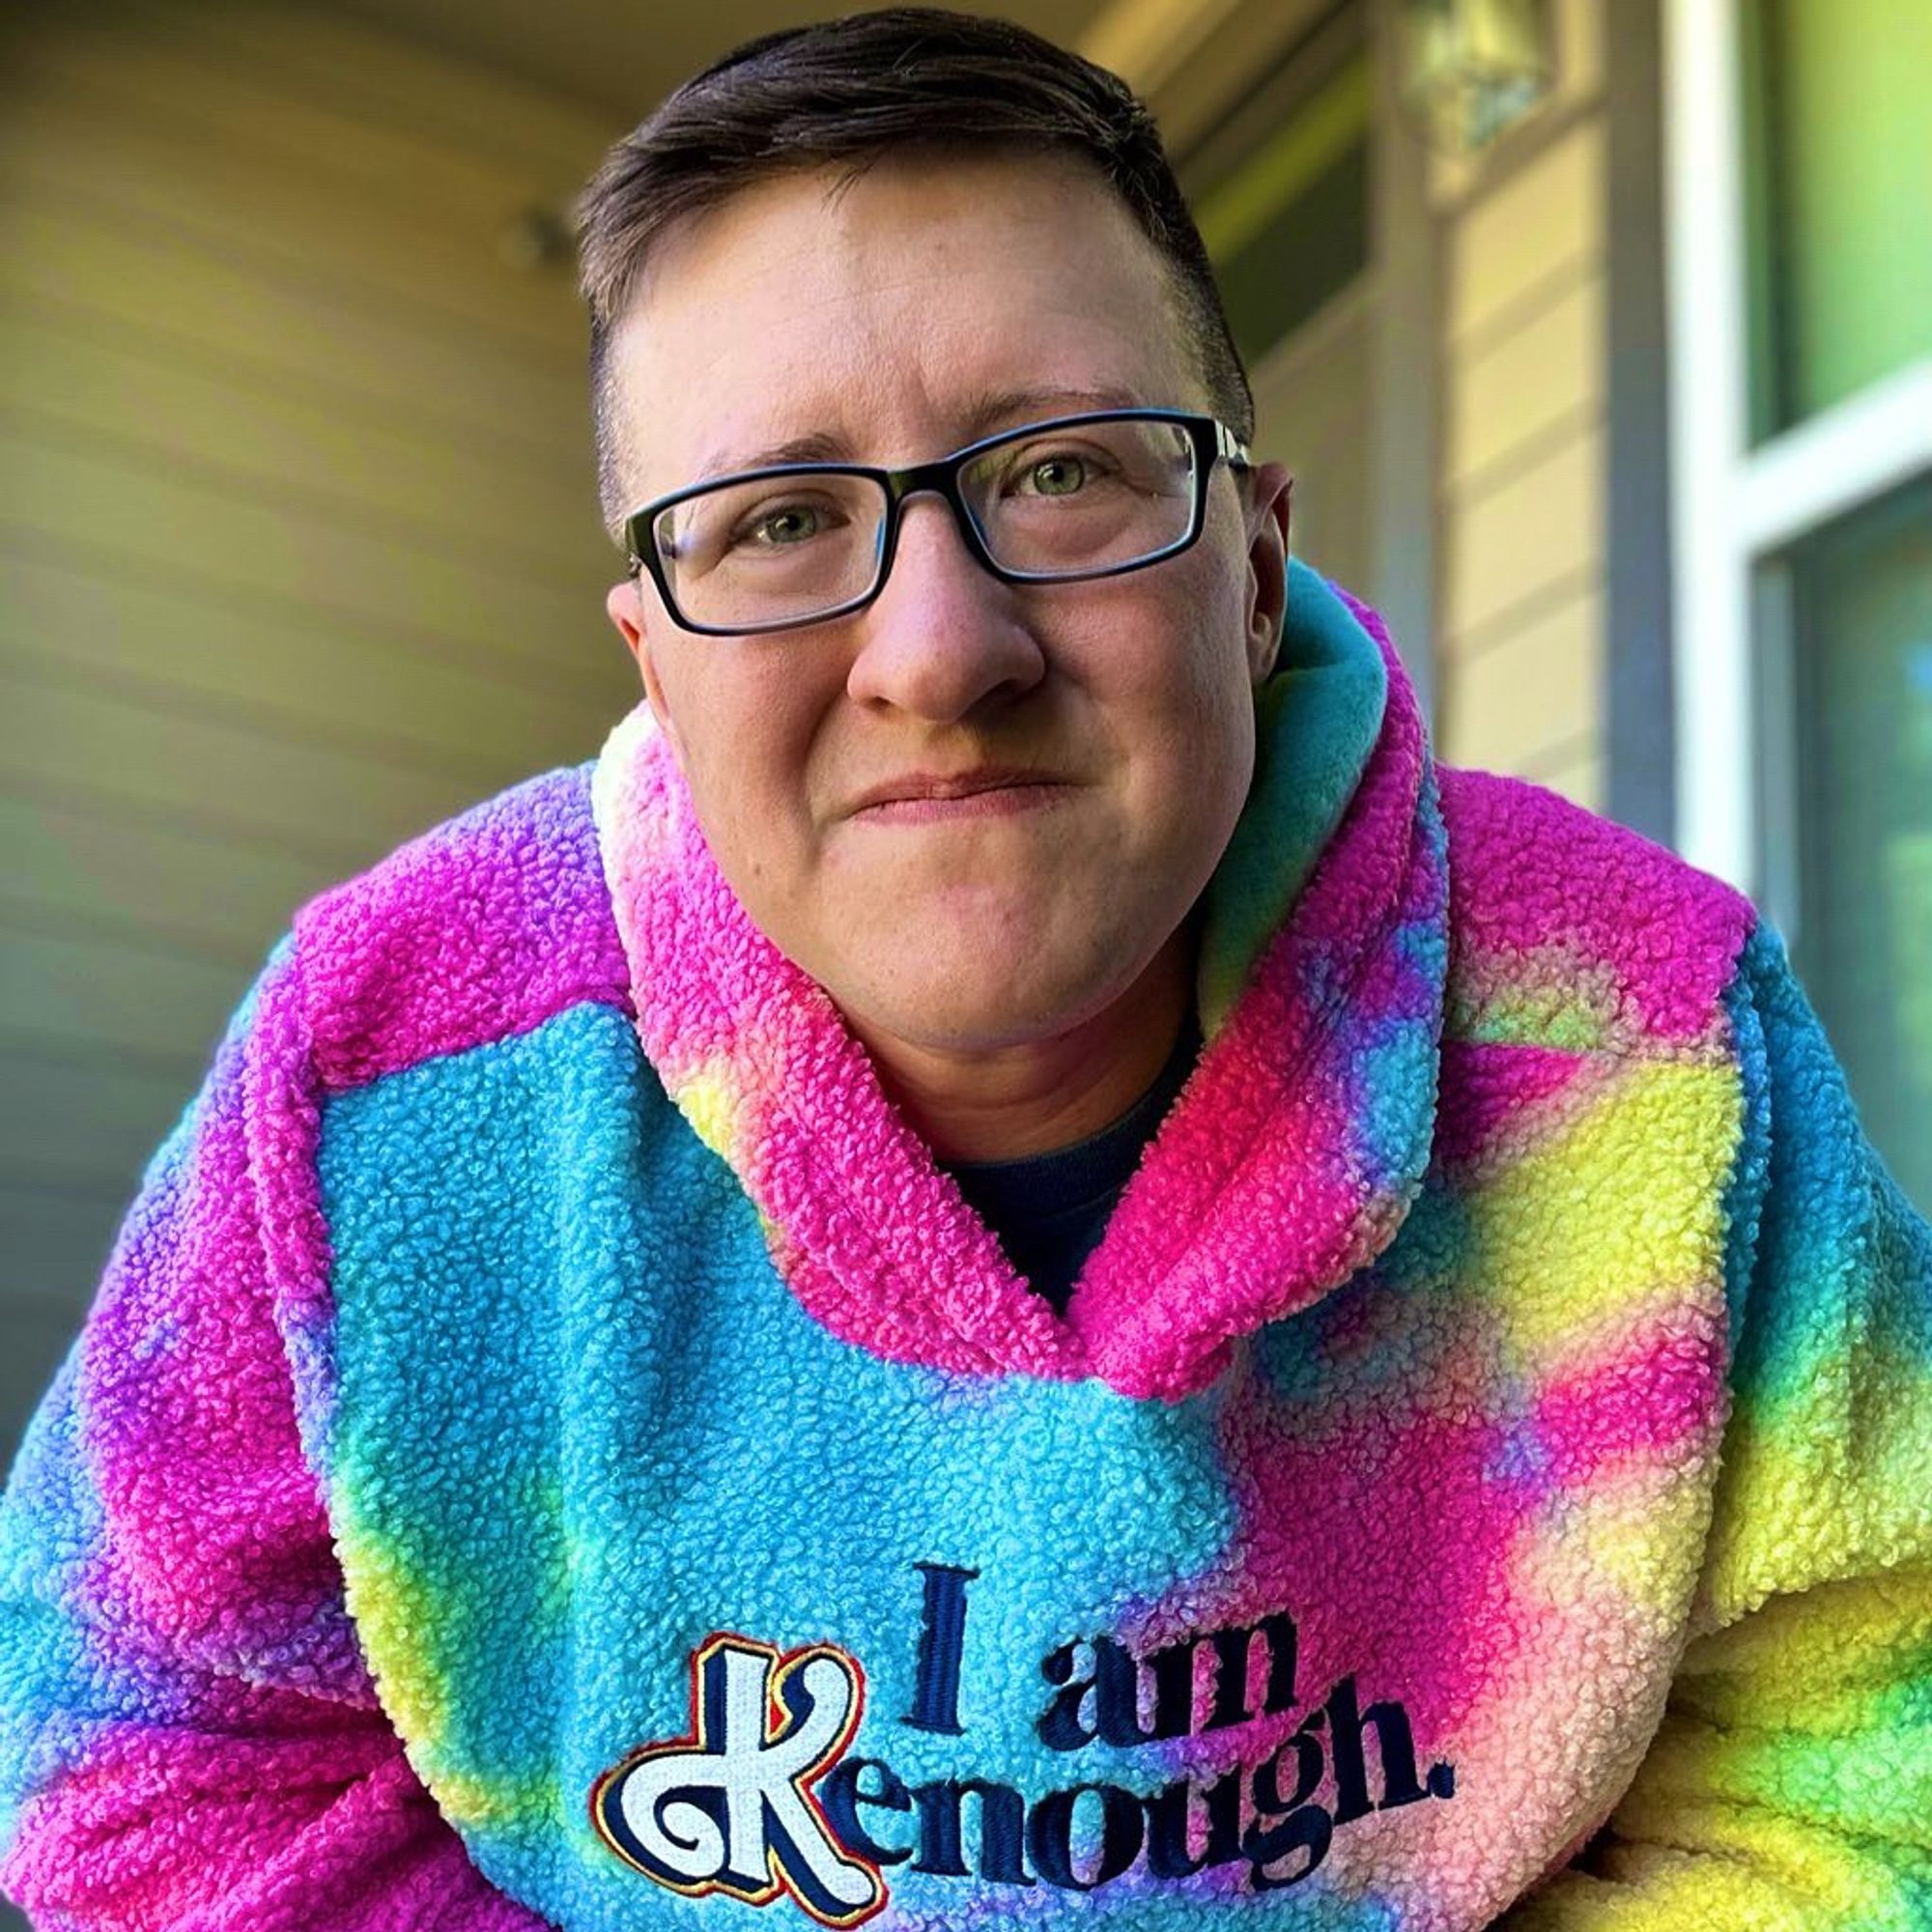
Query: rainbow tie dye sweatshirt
553, 1449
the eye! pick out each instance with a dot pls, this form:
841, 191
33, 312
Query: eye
778, 528
1055, 476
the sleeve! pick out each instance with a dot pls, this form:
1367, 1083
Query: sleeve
1789, 1788
188, 1735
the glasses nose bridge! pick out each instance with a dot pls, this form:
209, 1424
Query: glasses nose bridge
939, 478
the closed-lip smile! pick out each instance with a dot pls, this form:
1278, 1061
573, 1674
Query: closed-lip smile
986, 790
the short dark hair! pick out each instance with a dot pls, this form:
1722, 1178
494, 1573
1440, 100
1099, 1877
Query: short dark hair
848, 92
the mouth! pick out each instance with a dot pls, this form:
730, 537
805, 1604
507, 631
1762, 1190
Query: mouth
920, 797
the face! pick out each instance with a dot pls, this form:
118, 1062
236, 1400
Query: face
978, 814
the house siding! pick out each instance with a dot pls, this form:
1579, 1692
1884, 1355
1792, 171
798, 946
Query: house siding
1522, 505
298, 549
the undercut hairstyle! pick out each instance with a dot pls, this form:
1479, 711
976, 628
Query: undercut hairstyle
846, 93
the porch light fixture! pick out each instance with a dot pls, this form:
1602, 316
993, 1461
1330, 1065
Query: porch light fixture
1472, 69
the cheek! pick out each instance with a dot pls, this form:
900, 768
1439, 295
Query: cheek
744, 729
1196, 763
1182, 691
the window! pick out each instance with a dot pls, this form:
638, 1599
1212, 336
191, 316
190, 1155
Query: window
1800, 340
1857, 598
1839, 162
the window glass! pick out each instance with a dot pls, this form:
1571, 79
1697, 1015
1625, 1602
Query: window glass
1863, 607
1841, 199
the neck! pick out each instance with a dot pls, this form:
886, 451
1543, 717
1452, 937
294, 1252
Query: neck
1008, 1102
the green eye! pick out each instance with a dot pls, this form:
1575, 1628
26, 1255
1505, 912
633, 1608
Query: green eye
787, 527
1058, 475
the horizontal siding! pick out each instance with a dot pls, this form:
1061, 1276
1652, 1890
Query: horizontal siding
1528, 387
148, 157
299, 549
1507, 247
82, 373
1507, 706
198, 893
98, 260
289, 116
1577, 769
87, 990
288, 668
371, 76
1529, 537
81, 1121
1523, 467
333, 803
38, 1218
166, 507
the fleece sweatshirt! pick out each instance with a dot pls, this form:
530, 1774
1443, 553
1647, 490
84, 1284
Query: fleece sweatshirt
553, 1449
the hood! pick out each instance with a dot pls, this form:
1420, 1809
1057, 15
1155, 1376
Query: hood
1287, 1161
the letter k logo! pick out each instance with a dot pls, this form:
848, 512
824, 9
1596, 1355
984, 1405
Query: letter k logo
731, 1808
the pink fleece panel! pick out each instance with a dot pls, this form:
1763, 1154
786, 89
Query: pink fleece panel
1654, 1402
1324, 1523
221, 1540
249, 1832
283, 1110
1264, 1148
1327, 1521
1322, 1514
1644, 914
480, 929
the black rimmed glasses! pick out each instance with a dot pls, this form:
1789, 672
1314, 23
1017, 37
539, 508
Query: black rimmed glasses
1079, 497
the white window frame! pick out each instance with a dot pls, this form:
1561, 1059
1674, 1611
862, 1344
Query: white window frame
1732, 506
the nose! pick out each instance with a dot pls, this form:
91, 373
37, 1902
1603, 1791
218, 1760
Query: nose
944, 636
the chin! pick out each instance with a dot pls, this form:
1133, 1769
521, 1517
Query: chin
983, 1002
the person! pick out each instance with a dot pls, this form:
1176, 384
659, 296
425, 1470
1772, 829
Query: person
1015, 1266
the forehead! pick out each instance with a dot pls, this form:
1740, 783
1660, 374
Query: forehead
891, 315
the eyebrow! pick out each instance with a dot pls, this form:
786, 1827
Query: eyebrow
991, 410
1000, 409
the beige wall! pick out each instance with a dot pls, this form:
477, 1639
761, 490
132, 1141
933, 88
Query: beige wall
1521, 513
298, 542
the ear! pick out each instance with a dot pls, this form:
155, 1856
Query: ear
625, 604
1269, 488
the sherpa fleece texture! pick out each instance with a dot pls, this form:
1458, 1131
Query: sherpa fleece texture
551, 1448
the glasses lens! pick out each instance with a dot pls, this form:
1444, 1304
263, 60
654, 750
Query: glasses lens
1082, 497
749, 555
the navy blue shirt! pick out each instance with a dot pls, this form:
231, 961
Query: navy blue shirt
1050, 1209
